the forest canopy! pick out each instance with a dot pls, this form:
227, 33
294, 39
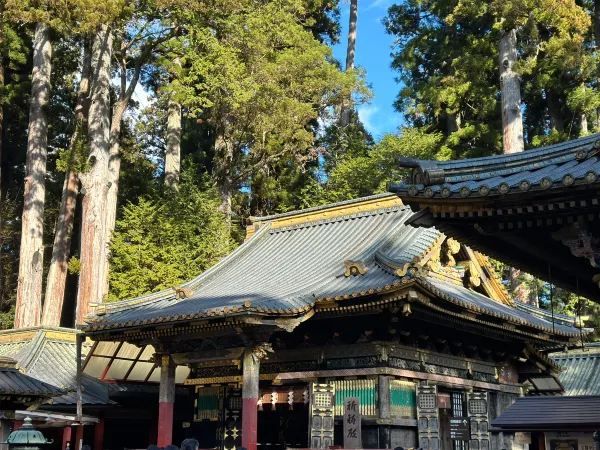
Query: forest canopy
138, 137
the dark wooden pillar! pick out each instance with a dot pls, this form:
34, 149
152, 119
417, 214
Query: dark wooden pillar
250, 391
383, 391
79, 437
166, 401
66, 437
4, 432
383, 406
99, 435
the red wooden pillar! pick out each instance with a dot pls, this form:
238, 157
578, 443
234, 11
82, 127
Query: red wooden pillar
66, 437
166, 401
99, 435
79, 437
250, 378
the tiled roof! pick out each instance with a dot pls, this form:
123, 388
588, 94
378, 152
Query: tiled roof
286, 270
571, 163
580, 370
479, 303
551, 412
294, 261
49, 355
15, 383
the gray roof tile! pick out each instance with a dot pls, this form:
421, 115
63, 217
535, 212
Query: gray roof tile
286, 270
13, 382
578, 158
53, 361
580, 370
541, 412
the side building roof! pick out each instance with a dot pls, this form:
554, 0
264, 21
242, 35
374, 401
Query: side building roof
551, 413
295, 263
580, 373
49, 355
554, 167
16, 384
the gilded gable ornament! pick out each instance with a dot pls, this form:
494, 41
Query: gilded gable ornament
451, 247
181, 293
472, 277
354, 268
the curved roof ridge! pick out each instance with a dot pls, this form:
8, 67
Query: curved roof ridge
339, 218
483, 163
576, 160
545, 313
318, 208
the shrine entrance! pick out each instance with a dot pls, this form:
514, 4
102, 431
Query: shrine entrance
280, 427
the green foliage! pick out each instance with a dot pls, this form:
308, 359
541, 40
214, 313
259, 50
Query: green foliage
447, 58
74, 265
165, 239
68, 16
261, 80
371, 173
7, 318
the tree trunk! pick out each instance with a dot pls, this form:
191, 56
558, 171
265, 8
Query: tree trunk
554, 110
1, 142
520, 287
583, 123
597, 22
173, 150
29, 288
114, 169
452, 123
510, 84
95, 181
350, 52
223, 166
114, 162
61, 250
1, 106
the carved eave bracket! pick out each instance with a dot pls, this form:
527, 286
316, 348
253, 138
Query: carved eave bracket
260, 352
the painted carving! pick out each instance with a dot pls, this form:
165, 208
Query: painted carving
261, 351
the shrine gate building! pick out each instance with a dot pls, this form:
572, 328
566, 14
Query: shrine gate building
344, 300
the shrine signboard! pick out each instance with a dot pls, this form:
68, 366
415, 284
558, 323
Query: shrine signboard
352, 423
459, 429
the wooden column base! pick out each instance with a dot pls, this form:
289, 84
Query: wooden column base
165, 424
166, 401
66, 437
99, 435
249, 423
79, 437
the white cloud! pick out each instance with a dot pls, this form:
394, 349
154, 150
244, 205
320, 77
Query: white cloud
379, 4
367, 115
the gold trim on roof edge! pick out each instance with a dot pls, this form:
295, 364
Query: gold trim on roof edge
327, 212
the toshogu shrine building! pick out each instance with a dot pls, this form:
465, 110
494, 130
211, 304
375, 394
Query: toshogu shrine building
321, 305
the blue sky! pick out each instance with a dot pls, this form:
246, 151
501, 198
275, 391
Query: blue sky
373, 47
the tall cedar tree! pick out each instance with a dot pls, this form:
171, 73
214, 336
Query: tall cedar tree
29, 289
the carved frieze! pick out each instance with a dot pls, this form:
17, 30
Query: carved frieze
581, 242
